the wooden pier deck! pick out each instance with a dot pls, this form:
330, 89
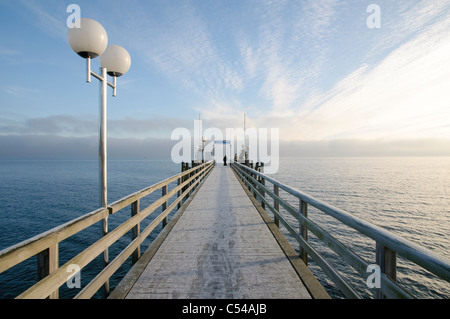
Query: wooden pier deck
221, 247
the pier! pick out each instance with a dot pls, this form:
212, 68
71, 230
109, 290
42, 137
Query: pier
223, 236
220, 248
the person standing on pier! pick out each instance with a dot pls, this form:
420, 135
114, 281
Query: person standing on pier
225, 160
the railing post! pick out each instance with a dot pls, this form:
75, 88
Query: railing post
190, 175
276, 204
387, 260
179, 193
197, 170
263, 183
105, 255
47, 262
164, 205
254, 183
303, 231
184, 167
202, 173
135, 231
249, 179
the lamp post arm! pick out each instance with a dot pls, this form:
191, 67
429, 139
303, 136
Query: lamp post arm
88, 70
99, 77
114, 85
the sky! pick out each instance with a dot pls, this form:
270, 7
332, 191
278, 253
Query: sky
317, 70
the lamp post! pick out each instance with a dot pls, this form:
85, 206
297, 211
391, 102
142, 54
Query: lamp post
90, 41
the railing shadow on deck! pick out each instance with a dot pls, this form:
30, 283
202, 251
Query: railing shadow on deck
388, 245
45, 246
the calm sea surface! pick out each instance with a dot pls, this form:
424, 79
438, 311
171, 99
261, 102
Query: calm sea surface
408, 196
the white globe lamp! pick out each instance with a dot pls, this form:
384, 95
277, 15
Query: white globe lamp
116, 60
89, 40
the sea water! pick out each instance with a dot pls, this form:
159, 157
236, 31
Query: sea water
408, 196
37, 195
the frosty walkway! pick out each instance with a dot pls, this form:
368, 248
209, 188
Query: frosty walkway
220, 248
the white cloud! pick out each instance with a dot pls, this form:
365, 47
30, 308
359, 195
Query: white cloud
402, 20
178, 42
279, 73
404, 96
18, 90
401, 94
51, 19
8, 52
287, 55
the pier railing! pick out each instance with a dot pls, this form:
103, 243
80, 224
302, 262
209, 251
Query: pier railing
388, 245
46, 245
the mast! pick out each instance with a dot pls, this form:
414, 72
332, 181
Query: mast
245, 143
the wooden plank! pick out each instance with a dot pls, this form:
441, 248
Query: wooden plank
220, 248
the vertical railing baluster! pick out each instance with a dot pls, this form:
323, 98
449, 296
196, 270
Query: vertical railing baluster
105, 290
179, 193
249, 180
185, 167
263, 183
197, 171
190, 175
164, 205
276, 204
303, 231
48, 262
386, 258
254, 179
136, 230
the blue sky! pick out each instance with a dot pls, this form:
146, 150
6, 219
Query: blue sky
313, 69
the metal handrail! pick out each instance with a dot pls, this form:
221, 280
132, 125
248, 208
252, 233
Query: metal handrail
425, 258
